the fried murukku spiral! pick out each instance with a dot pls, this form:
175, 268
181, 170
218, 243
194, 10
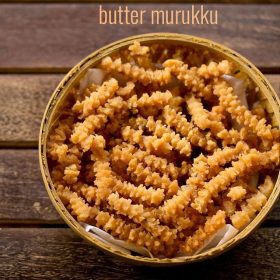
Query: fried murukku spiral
162, 152
136, 73
212, 225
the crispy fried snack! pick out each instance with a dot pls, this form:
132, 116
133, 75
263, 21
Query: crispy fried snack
242, 115
127, 152
241, 218
103, 180
140, 193
253, 161
177, 120
83, 131
149, 178
150, 143
136, 49
161, 152
202, 119
180, 144
194, 78
157, 99
129, 231
56, 148
212, 225
208, 166
174, 206
236, 193
136, 73
96, 98
71, 173
252, 205
78, 206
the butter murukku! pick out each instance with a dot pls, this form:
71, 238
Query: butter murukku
158, 149
212, 225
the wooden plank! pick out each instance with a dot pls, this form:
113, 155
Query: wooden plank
42, 253
57, 36
24, 198
275, 82
144, 1
23, 99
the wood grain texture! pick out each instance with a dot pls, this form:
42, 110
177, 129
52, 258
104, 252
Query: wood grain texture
23, 99
51, 38
59, 254
144, 1
57, 36
275, 82
23, 195
24, 198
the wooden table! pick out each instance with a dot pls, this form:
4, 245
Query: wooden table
38, 44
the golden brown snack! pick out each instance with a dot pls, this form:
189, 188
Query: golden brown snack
129, 231
242, 115
253, 161
140, 193
202, 119
136, 73
96, 98
163, 152
127, 152
212, 225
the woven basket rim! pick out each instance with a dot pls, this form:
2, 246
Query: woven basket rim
61, 91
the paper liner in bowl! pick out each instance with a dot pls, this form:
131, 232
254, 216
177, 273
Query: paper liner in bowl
92, 76
219, 238
120, 245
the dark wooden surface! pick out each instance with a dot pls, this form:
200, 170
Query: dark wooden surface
38, 44
57, 36
52, 253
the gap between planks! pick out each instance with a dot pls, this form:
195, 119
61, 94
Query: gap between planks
65, 70
32, 224
19, 144
246, 2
